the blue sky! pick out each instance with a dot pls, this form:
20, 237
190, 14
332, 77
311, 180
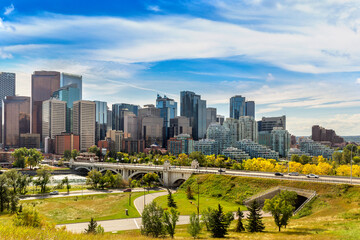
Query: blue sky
294, 57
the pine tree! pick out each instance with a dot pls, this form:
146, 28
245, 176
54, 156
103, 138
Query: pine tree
239, 225
194, 228
189, 193
91, 227
255, 223
171, 202
219, 222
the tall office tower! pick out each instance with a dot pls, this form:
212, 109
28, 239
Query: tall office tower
237, 106
53, 118
280, 140
220, 119
101, 118
15, 119
7, 88
168, 110
250, 109
72, 79
151, 125
109, 118
268, 123
194, 108
118, 110
43, 85
131, 125
248, 129
179, 125
84, 123
220, 134
148, 110
116, 138
233, 125
210, 116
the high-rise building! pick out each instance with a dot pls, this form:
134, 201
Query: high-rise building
152, 130
182, 143
206, 146
280, 141
268, 123
234, 126
237, 107
117, 138
248, 128
84, 123
118, 111
220, 119
72, 79
101, 118
327, 136
131, 125
30, 140
250, 109
220, 134
66, 141
194, 108
69, 94
53, 118
15, 119
179, 125
315, 148
7, 88
43, 85
210, 116
168, 109
109, 118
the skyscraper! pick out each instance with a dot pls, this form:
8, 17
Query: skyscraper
194, 108
250, 109
69, 94
210, 116
72, 79
53, 118
101, 119
168, 110
268, 123
84, 123
237, 106
7, 88
43, 85
248, 129
15, 119
179, 125
118, 110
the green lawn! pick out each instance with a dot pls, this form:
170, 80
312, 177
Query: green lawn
186, 206
82, 208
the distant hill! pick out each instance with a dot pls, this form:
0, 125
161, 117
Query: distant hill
352, 139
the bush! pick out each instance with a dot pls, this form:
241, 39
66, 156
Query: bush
28, 217
152, 224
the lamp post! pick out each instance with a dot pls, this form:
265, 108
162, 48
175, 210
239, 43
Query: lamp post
352, 147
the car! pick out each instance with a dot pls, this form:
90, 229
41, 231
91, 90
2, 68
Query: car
312, 176
279, 174
127, 190
294, 174
54, 193
220, 170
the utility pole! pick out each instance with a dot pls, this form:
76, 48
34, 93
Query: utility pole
198, 206
352, 147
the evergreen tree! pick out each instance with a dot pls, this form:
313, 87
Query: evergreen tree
219, 222
239, 225
255, 223
194, 228
91, 227
152, 224
171, 202
189, 193
170, 219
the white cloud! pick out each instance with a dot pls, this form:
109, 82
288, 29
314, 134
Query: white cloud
270, 77
154, 8
9, 9
4, 54
358, 80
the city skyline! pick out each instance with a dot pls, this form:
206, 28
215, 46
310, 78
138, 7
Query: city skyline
166, 48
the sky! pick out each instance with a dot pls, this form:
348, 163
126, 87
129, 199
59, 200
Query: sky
298, 58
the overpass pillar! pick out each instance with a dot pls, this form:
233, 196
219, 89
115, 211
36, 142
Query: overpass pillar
125, 174
167, 174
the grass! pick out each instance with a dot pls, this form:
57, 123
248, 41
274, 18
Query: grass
81, 208
187, 207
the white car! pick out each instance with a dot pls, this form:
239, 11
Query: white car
312, 176
54, 193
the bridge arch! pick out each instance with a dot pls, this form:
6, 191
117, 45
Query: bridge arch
178, 182
137, 175
103, 171
83, 169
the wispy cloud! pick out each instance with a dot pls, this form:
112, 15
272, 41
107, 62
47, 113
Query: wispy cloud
9, 10
154, 8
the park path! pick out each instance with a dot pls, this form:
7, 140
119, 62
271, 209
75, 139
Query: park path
132, 223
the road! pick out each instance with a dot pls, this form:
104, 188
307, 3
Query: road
131, 223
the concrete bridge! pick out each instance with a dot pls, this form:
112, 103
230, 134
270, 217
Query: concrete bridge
170, 176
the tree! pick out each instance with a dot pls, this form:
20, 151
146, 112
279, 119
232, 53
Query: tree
67, 155
93, 178
219, 222
28, 217
152, 224
24, 182
33, 157
189, 193
170, 219
4, 192
12, 177
150, 178
66, 182
295, 158
255, 223
91, 227
171, 202
194, 228
96, 150
281, 207
74, 154
19, 156
239, 224
43, 178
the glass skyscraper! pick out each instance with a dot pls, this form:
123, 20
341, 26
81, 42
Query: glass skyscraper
100, 121
168, 110
118, 110
67, 79
69, 94
237, 106
194, 108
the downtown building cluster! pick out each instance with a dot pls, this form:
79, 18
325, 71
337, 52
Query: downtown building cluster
55, 118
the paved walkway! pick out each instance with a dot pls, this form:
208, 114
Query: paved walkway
139, 202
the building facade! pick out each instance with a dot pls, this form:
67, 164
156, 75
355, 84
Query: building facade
84, 123
15, 119
250, 109
268, 123
7, 88
101, 120
182, 143
237, 107
118, 114
67, 79
66, 142
235, 153
248, 128
53, 118
206, 146
221, 134
43, 85
30, 140
210, 116
179, 125
255, 150
315, 148
280, 140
